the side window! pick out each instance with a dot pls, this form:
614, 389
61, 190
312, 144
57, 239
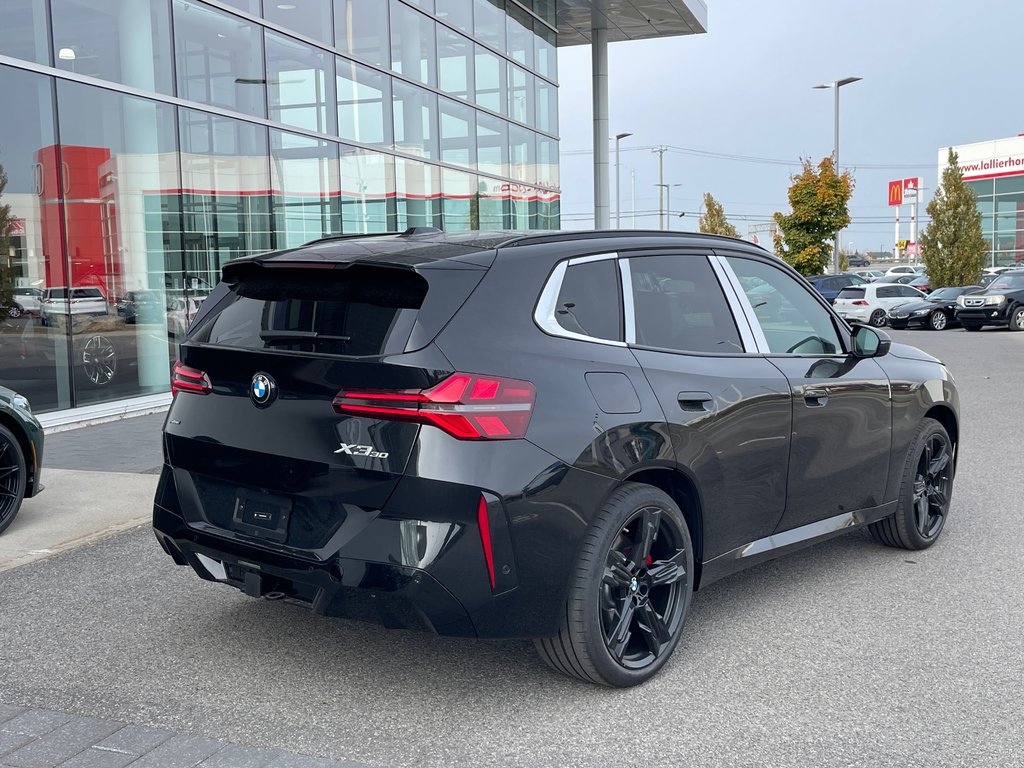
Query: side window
910, 292
792, 320
887, 292
679, 305
588, 302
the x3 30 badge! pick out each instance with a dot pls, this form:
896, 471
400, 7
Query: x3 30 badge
361, 450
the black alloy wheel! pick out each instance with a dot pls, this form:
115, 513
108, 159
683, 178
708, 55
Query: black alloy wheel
12, 477
99, 360
938, 320
1017, 318
877, 318
925, 493
631, 592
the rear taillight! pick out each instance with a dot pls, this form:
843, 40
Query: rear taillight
860, 303
465, 405
187, 379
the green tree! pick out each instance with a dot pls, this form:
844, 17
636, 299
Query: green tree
819, 198
952, 245
6, 223
713, 222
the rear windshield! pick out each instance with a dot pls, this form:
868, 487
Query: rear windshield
352, 312
851, 293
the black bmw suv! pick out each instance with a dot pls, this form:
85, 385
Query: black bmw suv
557, 436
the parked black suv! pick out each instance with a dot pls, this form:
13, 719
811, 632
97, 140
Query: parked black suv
557, 436
1001, 303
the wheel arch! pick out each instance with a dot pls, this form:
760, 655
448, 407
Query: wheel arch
683, 490
27, 450
944, 415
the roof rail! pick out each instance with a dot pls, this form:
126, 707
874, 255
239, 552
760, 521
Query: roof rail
568, 236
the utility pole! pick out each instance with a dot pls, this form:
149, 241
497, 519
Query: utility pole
660, 152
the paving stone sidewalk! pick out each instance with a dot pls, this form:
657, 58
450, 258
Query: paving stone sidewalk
39, 738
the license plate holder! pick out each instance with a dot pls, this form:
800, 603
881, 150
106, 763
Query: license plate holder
262, 515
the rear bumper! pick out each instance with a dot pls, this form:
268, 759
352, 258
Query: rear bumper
396, 596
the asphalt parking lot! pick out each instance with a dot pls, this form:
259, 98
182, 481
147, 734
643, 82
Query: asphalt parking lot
847, 654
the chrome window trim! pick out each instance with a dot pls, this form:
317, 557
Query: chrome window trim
735, 300
628, 309
544, 314
761, 341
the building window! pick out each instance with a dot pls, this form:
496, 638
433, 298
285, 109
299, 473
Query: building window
458, 133
126, 42
413, 47
124, 234
23, 35
307, 189
491, 91
461, 203
300, 84
547, 106
520, 95
418, 194
367, 191
415, 120
219, 59
361, 30
489, 22
454, 63
522, 154
545, 58
311, 18
458, 13
364, 104
225, 172
519, 29
491, 144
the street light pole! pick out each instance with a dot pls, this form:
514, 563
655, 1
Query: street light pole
836, 85
668, 202
618, 198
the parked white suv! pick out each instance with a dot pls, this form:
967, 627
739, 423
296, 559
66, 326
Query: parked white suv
85, 300
871, 303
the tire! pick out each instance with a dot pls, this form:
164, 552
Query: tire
14, 310
926, 490
971, 327
1016, 322
937, 320
638, 537
12, 477
877, 318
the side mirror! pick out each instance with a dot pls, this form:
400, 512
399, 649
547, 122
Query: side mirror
870, 342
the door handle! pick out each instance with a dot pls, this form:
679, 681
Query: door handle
815, 396
694, 401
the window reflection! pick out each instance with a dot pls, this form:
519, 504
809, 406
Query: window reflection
23, 33
361, 30
307, 188
489, 22
123, 236
461, 201
490, 81
364, 104
418, 187
519, 25
219, 59
367, 191
520, 95
454, 63
458, 13
127, 42
458, 133
415, 120
311, 18
492, 144
300, 84
413, 51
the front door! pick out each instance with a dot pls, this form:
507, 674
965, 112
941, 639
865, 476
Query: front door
841, 404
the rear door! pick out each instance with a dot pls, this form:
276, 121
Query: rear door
842, 419
272, 353
728, 409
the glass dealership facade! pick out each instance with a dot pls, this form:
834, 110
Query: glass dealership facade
147, 142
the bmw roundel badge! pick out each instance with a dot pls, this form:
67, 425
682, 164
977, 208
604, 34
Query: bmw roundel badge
263, 390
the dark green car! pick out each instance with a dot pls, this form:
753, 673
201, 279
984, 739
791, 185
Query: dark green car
21, 454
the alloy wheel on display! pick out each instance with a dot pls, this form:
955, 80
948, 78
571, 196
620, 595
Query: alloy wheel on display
643, 596
932, 485
938, 320
99, 360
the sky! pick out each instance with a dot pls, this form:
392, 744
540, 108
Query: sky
936, 73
